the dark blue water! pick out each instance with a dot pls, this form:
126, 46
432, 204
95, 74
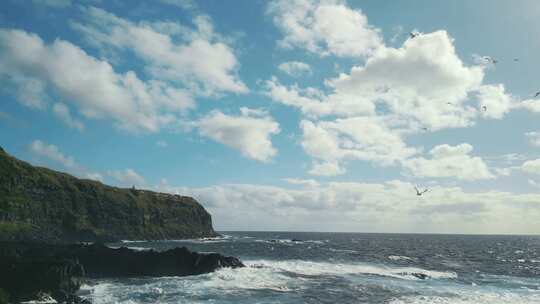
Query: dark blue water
287, 267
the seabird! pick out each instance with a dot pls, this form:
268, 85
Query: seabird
516, 59
537, 94
484, 108
490, 59
418, 192
414, 34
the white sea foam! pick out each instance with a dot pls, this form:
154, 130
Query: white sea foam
324, 268
400, 258
473, 298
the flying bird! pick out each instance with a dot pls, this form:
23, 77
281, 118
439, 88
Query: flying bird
484, 108
418, 192
414, 34
425, 129
516, 59
490, 59
537, 94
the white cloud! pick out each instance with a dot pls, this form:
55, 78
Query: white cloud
309, 183
362, 138
248, 132
198, 61
29, 91
324, 27
423, 81
450, 161
496, 102
51, 152
532, 105
127, 177
314, 103
94, 176
531, 166
534, 138
132, 103
326, 168
295, 68
422, 86
392, 206
62, 112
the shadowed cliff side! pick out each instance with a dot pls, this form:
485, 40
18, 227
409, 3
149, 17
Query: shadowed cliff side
39, 204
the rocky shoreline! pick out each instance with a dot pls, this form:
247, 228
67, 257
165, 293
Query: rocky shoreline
30, 270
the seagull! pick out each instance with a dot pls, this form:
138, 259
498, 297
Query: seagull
418, 192
537, 94
489, 59
425, 129
516, 59
414, 34
484, 108
449, 103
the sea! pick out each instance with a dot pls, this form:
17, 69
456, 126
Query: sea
301, 267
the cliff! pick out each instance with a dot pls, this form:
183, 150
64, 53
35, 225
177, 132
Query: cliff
39, 204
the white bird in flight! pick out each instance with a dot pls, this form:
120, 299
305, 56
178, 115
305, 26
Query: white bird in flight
418, 192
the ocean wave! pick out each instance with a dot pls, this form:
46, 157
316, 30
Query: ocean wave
291, 241
475, 298
217, 239
400, 258
324, 268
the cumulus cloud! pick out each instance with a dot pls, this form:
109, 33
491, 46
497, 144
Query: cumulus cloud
496, 102
248, 132
534, 138
310, 183
62, 112
362, 138
326, 168
423, 83
295, 68
391, 206
421, 86
127, 177
324, 27
197, 60
531, 166
51, 152
103, 93
450, 161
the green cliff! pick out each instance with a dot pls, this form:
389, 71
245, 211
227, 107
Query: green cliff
40, 204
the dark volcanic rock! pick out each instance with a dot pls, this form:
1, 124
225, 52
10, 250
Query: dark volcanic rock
26, 278
29, 269
101, 261
38, 204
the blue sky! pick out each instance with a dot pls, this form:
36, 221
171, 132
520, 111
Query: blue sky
287, 115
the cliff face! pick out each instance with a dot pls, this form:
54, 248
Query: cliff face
39, 204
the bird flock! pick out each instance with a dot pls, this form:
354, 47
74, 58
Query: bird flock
486, 59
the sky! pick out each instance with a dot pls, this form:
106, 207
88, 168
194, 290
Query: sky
287, 115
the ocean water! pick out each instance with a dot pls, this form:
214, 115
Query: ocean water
286, 267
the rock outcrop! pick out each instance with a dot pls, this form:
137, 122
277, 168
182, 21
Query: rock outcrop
39, 204
30, 269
